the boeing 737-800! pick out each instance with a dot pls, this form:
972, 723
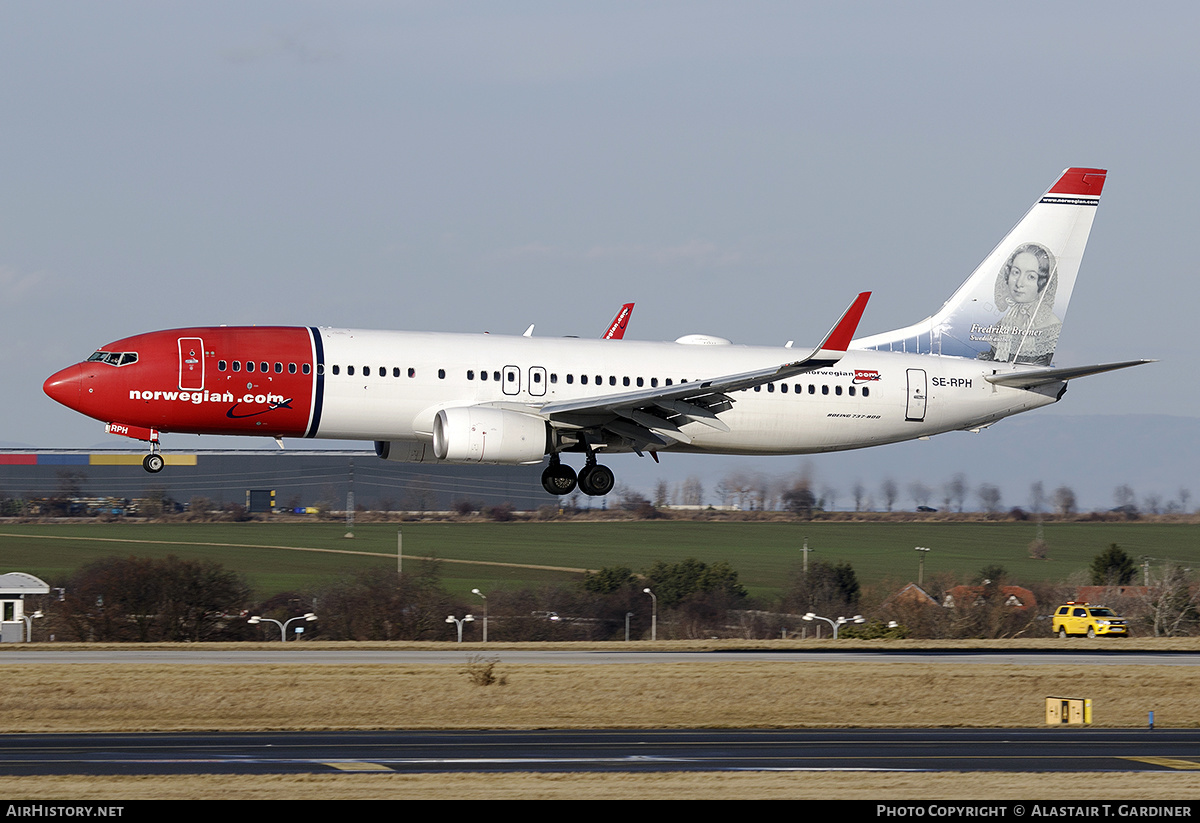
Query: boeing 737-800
485, 398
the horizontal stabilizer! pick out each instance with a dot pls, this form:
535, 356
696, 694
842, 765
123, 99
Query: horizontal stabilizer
1041, 377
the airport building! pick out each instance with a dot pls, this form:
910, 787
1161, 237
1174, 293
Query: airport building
298, 479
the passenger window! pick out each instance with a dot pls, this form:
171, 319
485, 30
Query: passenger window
641, 382
220, 365
553, 378
237, 365
654, 382
866, 391
851, 391
291, 368
758, 388
383, 371
279, 368
496, 375
249, 365
624, 380
264, 367
570, 379
837, 390
395, 371
824, 390
412, 372
483, 376
583, 379
350, 370
470, 374
441, 374
337, 369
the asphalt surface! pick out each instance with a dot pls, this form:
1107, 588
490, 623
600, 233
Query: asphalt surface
999, 750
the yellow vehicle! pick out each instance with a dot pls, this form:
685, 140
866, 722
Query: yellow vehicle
1084, 618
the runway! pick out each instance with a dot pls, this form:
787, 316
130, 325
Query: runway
971, 750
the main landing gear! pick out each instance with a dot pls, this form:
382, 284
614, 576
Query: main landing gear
593, 480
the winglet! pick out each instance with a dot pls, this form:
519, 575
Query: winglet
616, 329
839, 337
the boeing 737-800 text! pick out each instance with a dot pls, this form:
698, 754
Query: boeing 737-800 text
485, 398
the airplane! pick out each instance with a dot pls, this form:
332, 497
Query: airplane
478, 398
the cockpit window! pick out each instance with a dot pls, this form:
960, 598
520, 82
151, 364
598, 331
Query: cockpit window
114, 358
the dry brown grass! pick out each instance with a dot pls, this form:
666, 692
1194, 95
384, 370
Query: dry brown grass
135, 697
875, 786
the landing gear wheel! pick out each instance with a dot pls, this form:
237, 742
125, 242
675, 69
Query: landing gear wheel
558, 479
153, 463
596, 480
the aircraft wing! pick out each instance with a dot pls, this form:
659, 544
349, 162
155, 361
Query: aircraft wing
1027, 379
652, 416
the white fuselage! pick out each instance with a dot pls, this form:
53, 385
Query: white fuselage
385, 385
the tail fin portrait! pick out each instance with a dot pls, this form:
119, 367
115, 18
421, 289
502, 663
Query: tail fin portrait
1011, 309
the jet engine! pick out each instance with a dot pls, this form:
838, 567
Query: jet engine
481, 434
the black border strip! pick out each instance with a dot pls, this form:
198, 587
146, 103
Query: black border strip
319, 374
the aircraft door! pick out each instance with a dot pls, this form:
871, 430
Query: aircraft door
537, 381
191, 364
917, 395
512, 380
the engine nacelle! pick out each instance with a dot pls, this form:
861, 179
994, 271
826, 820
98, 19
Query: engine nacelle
405, 451
482, 434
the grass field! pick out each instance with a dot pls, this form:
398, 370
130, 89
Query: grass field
296, 556
123, 697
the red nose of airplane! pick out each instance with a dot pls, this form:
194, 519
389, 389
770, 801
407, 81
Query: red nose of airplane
65, 386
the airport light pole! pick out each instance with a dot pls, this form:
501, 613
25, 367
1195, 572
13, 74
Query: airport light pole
28, 618
653, 615
470, 618
254, 621
485, 612
835, 624
921, 566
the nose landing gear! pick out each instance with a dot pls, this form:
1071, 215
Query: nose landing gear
153, 462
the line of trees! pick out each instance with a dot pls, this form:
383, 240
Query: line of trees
117, 599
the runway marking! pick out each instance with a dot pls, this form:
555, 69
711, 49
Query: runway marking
1167, 762
360, 767
295, 549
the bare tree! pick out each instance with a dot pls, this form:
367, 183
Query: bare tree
956, 490
989, 496
1124, 497
692, 493
1063, 500
1171, 603
890, 492
1037, 497
860, 495
828, 498
920, 493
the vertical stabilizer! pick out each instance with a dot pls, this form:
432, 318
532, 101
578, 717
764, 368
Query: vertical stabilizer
1011, 309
